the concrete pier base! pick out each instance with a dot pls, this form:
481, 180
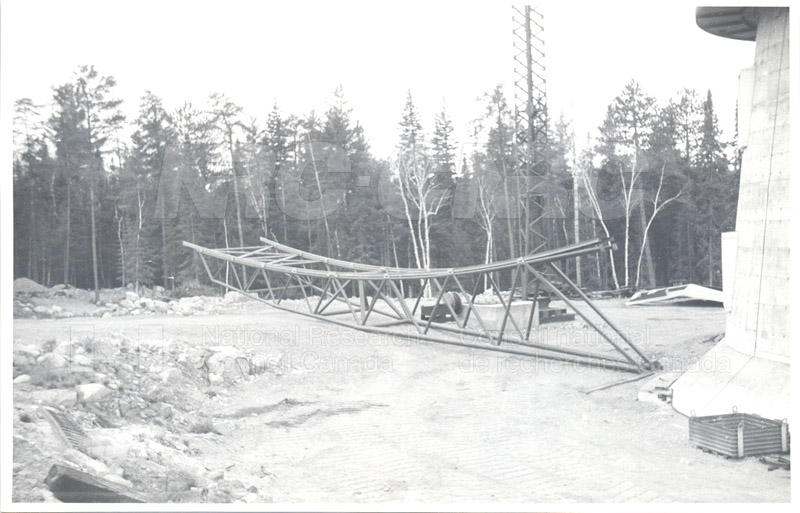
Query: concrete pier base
749, 369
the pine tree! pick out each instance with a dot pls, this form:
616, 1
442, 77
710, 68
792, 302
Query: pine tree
712, 199
137, 230
499, 153
101, 114
72, 154
412, 138
277, 141
443, 146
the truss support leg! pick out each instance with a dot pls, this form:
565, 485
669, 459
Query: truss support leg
600, 314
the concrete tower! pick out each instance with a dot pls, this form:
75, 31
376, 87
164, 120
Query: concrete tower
749, 369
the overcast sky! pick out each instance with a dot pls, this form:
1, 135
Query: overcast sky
296, 53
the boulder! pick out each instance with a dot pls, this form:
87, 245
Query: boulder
92, 392
160, 306
215, 475
23, 378
65, 347
82, 359
165, 410
172, 376
43, 310
131, 296
228, 362
52, 361
55, 397
28, 350
234, 297
125, 368
127, 303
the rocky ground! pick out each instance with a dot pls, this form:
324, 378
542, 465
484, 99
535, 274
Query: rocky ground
35, 301
216, 399
139, 397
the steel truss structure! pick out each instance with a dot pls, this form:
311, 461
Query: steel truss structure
530, 120
374, 299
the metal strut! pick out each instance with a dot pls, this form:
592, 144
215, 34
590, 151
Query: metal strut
277, 272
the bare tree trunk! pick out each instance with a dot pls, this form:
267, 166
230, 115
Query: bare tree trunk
283, 214
644, 250
648, 256
592, 195
164, 257
121, 246
227, 264
411, 234
690, 250
626, 246
710, 261
394, 250
329, 249
600, 276
236, 196
194, 254
488, 254
576, 227
68, 233
511, 247
94, 242
308, 230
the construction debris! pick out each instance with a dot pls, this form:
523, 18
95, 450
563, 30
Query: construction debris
776, 462
66, 428
71, 485
676, 294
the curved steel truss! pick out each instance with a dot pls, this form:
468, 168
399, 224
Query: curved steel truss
393, 301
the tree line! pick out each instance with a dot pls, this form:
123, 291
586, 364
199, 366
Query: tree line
103, 201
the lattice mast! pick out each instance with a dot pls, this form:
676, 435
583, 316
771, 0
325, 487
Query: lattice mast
530, 112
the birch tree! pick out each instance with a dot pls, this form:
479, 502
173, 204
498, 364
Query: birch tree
420, 188
624, 136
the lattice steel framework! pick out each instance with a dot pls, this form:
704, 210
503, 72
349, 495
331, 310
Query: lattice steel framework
530, 110
373, 299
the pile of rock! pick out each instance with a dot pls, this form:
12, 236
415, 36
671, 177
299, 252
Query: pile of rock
146, 397
144, 379
23, 308
36, 301
25, 286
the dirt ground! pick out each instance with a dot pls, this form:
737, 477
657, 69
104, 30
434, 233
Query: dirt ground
343, 416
